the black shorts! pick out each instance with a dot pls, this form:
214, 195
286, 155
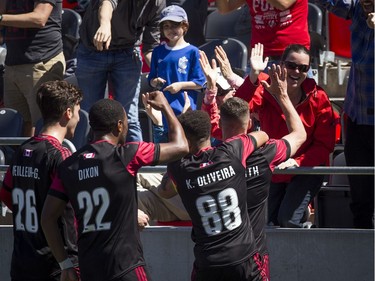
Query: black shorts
249, 270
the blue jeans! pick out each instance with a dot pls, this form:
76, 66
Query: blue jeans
160, 134
123, 69
287, 202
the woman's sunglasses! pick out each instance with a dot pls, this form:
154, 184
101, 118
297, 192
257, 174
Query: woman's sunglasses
294, 66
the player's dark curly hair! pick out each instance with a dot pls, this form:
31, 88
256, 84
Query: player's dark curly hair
54, 97
196, 124
234, 109
105, 114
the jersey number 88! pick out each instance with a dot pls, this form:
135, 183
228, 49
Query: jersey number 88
208, 207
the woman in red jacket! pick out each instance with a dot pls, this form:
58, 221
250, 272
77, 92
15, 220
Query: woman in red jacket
289, 195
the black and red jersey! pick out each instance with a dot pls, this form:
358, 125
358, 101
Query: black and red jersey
27, 181
259, 168
100, 182
213, 189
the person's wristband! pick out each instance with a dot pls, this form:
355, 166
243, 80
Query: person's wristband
235, 81
210, 96
1, 17
65, 264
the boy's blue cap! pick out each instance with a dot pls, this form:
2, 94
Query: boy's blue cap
173, 13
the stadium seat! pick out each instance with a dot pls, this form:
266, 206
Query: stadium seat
81, 133
236, 24
317, 41
332, 207
339, 180
71, 22
72, 79
315, 19
235, 49
11, 123
332, 203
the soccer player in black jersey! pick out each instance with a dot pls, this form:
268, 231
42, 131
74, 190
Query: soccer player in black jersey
28, 180
100, 182
262, 162
212, 186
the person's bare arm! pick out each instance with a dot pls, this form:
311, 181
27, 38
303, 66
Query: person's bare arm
185, 85
166, 189
147, 56
103, 36
35, 19
261, 137
226, 6
177, 146
226, 69
52, 210
282, 4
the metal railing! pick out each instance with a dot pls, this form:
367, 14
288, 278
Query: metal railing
317, 170
20, 140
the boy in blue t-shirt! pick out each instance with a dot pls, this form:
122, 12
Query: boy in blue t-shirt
175, 65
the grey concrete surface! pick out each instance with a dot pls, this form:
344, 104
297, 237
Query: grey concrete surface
295, 254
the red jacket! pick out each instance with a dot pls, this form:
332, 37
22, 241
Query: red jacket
316, 114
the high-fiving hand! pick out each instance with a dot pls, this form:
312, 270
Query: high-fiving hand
278, 76
256, 59
209, 70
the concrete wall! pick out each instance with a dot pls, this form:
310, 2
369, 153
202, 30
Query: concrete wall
295, 254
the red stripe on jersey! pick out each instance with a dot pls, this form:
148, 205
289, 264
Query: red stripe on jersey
141, 274
65, 152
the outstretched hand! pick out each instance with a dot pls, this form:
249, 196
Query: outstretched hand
225, 67
208, 69
156, 100
287, 164
154, 114
256, 59
279, 85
